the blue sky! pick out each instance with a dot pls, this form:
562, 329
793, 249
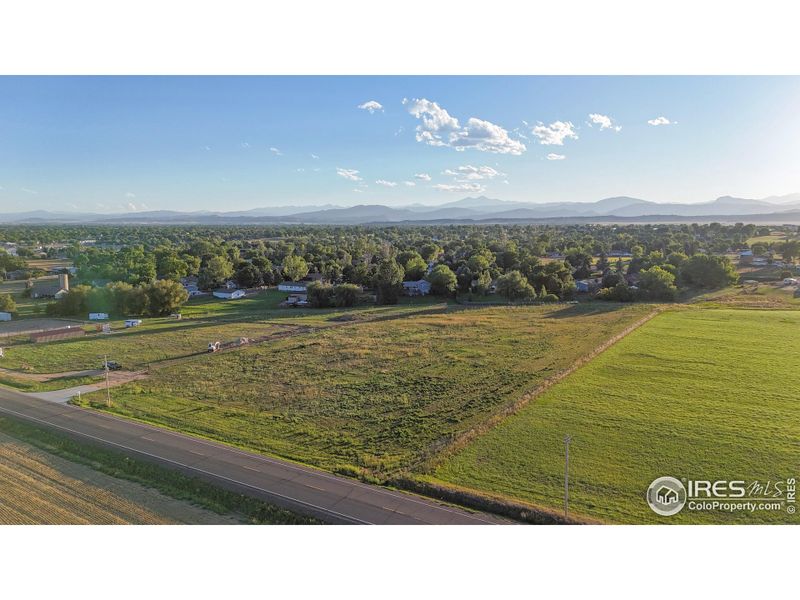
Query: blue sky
113, 144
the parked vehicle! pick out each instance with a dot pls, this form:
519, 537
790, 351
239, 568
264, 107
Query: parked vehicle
133, 322
112, 365
213, 346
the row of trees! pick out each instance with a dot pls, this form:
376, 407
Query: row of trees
159, 298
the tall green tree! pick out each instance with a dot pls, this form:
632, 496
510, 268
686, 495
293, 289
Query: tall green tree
295, 267
443, 281
389, 281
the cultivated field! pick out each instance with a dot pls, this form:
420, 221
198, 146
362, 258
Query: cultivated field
695, 393
375, 396
38, 488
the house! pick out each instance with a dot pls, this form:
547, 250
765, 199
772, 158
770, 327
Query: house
5, 316
51, 288
588, 285
293, 286
230, 285
98, 316
417, 288
314, 277
17, 275
746, 257
226, 294
54, 335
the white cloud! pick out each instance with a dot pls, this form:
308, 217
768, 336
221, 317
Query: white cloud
245, 144
555, 133
314, 156
459, 187
358, 190
371, 106
130, 195
554, 156
470, 173
660, 121
130, 206
28, 191
385, 183
207, 148
438, 128
275, 151
422, 176
604, 121
349, 174
409, 183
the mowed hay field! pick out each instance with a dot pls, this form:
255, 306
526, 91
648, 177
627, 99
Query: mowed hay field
694, 393
374, 397
38, 488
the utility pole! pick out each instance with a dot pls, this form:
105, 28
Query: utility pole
108, 384
567, 440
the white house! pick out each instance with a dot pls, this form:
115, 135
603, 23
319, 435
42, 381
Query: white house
229, 294
417, 288
5, 316
98, 316
292, 286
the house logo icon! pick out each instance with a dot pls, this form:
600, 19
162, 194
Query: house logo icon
666, 496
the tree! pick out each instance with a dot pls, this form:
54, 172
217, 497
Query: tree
217, 270
320, 295
657, 283
430, 251
443, 281
7, 303
513, 285
705, 271
295, 267
416, 268
74, 302
612, 278
483, 283
619, 293
248, 276
389, 281
346, 294
165, 297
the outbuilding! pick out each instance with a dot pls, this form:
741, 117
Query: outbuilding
5, 316
229, 294
98, 316
292, 286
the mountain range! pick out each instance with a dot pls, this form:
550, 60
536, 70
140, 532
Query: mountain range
774, 209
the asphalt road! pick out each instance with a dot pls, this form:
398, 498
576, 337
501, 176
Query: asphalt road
328, 497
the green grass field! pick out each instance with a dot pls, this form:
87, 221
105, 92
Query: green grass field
134, 348
701, 394
376, 396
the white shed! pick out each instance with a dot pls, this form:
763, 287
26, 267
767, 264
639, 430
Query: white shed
229, 294
98, 316
5, 316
